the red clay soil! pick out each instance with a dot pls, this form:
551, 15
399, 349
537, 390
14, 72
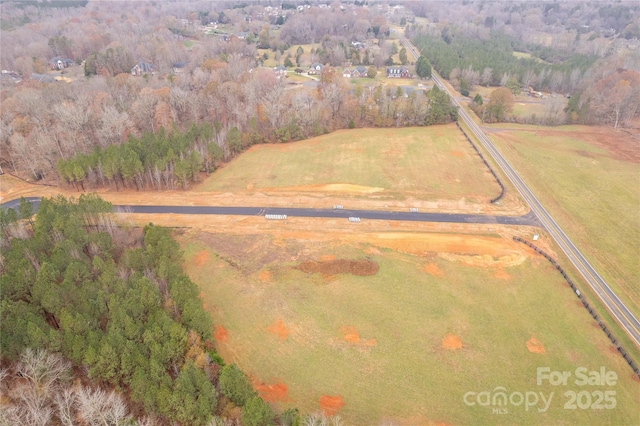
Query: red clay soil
501, 274
433, 269
272, 392
361, 268
201, 258
221, 334
457, 153
331, 404
535, 346
350, 334
451, 342
279, 329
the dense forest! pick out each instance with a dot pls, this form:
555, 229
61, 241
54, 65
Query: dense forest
83, 298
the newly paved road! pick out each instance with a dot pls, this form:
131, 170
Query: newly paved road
528, 219
617, 308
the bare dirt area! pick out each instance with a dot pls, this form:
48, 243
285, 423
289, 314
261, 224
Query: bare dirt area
350, 334
535, 346
272, 392
279, 329
331, 404
451, 342
361, 268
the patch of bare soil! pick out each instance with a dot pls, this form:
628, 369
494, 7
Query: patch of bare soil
272, 392
350, 334
433, 269
221, 334
501, 274
361, 268
457, 153
331, 404
201, 258
265, 276
279, 329
451, 342
535, 346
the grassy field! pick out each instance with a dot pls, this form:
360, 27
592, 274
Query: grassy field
385, 343
592, 194
389, 162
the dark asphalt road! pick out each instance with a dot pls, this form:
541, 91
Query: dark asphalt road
528, 219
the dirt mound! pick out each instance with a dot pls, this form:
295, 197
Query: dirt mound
221, 334
279, 329
350, 334
363, 268
433, 269
331, 404
201, 258
272, 392
451, 342
535, 346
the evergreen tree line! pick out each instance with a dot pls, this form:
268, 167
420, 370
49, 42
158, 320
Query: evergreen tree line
128, 315
154, 161
450, 50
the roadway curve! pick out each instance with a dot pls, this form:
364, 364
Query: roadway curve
615, 306
526, 220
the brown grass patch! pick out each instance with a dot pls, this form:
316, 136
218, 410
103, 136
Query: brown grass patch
221, 334
265, 276
201, 258
535, 346
433, 269
279, 329
272, 392
331, 404
451, 342
361, 268
350, 334
501, 274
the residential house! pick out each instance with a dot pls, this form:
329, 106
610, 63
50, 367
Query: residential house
347, 73
280, 71
398, 72
315, 69
59, 63
359, 72
179, 67
142, 68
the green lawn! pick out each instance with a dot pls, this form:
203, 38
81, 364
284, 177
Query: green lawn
594, 197
426, 163
406, 373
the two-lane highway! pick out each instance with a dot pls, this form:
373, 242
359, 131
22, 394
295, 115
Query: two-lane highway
617, 308
525, 220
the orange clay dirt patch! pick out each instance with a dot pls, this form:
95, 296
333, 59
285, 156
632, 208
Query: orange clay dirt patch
221, 334
331, 404
457, 153
535, 346
451, 342
501, 274
271, 392
264, 276
201, 258
350, 334
279, 329
433, 269
361, 268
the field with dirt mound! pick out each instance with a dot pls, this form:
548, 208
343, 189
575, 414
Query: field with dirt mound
397, 328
